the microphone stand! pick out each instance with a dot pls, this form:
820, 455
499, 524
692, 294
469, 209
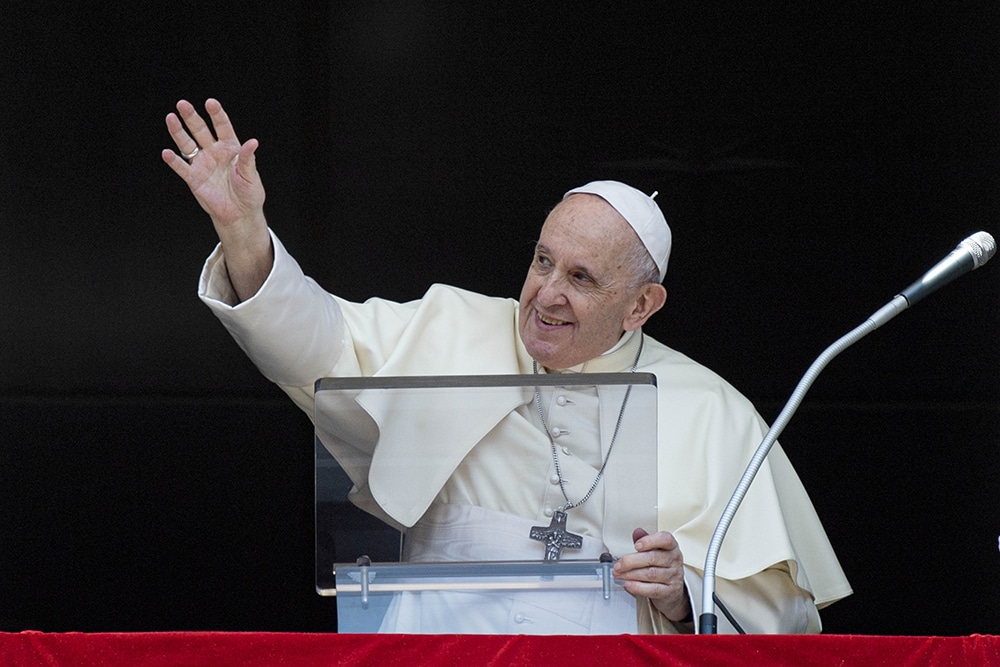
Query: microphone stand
708, 621
970, 254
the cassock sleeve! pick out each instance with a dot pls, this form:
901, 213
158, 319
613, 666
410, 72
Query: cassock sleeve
291, 329
768, 602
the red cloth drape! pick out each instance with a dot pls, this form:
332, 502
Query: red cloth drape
193, 649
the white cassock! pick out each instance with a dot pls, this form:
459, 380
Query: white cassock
776, 567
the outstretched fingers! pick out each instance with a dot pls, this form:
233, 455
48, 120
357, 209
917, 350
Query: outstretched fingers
220, 121
185, 145
197, 129
192, 134
175, 162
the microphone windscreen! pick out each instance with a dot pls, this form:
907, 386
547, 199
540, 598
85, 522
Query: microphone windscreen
981, 246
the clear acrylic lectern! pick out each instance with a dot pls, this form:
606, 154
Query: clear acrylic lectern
391, 451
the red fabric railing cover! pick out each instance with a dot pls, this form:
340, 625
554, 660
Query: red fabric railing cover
194, 649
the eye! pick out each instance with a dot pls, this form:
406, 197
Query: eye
582, 278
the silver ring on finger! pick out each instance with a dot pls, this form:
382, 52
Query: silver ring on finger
190, 156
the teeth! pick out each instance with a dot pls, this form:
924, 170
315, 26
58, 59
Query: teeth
547, 320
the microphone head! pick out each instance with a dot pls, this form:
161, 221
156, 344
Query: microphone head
981, 246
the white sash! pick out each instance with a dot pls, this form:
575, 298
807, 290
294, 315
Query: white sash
468, 533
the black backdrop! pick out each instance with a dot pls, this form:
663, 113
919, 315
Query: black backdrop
813, 161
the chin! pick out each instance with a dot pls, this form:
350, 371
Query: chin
542, 354
554, 360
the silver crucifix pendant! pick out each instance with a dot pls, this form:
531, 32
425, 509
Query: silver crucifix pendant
556, 537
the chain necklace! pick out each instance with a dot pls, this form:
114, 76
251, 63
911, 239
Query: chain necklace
555, 536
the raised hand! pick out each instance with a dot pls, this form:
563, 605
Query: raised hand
222, 175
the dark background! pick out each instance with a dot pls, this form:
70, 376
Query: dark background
813, 161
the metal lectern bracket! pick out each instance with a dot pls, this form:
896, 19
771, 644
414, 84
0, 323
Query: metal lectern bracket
364, 577
607, 560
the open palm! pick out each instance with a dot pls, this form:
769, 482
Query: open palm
222, 174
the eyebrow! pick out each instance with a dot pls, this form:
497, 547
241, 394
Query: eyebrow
539, 246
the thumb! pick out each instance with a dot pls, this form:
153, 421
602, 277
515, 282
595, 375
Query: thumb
246, 161
638, 534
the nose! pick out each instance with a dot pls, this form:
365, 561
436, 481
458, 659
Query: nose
552, 290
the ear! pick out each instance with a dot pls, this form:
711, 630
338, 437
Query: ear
651, 298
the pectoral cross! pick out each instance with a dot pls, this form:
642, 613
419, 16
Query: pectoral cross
556, 537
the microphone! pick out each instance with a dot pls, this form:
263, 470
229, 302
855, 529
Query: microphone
970, 254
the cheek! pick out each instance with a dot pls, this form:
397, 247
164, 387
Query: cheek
601, 319
523, 305
528, 291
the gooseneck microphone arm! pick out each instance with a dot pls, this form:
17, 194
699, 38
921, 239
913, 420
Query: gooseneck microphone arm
708, 619
972, 253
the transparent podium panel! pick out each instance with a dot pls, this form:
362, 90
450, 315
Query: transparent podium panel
487, 502
562, 597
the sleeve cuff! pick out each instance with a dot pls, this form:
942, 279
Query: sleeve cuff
214, 286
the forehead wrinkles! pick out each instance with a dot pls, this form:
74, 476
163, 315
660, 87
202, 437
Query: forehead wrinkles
587, 231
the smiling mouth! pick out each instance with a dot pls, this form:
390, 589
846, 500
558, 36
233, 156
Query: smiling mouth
550, 321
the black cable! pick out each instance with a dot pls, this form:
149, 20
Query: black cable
725, 611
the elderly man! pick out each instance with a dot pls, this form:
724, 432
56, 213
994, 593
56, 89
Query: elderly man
593, 282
